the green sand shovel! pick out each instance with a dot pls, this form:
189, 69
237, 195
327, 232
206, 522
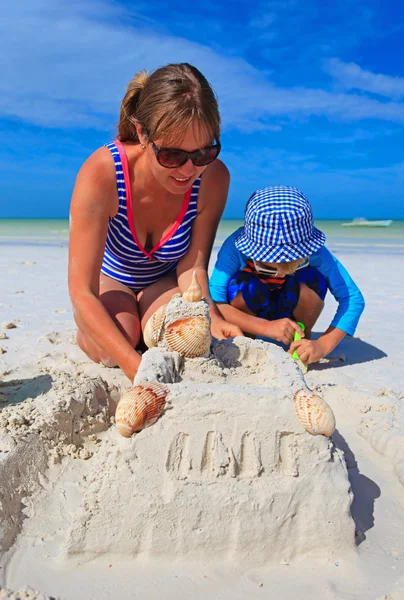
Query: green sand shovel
297, 338
295, 355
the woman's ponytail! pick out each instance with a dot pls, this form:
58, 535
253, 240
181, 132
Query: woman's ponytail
127, 116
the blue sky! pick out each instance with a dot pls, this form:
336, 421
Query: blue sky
311, 94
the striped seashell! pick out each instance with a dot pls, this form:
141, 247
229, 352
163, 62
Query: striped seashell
194, 292
140, 407
314, 413
190, 336
152, 331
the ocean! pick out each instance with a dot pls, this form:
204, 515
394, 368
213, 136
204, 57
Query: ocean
51, 232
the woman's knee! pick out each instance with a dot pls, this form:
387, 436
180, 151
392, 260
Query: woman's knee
108, 362
93, 351
151, 298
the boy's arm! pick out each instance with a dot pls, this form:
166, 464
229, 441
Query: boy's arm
311, 351
350, 307
341, 285
281, 330
228, 263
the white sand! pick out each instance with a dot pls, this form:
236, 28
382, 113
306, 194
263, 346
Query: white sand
64, 543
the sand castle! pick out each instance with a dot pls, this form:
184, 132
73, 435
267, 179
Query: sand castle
183, 326
227, 469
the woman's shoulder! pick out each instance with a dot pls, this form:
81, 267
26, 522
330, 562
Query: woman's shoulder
96, 182
216, 175
217, 171
99, 165
214, 186
98, 171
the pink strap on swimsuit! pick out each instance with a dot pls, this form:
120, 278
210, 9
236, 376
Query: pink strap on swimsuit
125, 260
173, 229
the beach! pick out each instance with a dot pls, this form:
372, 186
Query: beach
362, 380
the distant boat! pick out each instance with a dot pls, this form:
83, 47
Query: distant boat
362, 222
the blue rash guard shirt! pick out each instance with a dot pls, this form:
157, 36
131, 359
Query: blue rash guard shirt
341, 285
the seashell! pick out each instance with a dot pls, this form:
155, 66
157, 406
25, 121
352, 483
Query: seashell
152, 330
314, 413
190, 336
140, 407
194, 292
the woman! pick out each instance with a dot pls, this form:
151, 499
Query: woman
144, 213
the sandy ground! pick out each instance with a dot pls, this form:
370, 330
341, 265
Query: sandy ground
362, 380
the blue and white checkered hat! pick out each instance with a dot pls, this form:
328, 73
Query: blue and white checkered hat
278, 226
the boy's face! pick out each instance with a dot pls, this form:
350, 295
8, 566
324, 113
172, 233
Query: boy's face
279, 269
267, 267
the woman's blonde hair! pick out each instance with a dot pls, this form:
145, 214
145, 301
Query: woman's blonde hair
166, 102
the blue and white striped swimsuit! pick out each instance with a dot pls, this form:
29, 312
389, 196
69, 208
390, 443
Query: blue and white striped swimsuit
124, 258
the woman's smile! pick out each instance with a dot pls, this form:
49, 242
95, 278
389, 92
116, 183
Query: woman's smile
182, 182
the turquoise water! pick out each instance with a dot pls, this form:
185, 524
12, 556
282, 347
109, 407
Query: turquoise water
56, 232
34, 231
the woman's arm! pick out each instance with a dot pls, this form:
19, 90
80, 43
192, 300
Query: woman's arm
94, 201
211, 202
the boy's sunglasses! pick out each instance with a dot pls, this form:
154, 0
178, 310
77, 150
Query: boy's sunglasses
272, 271
171, 158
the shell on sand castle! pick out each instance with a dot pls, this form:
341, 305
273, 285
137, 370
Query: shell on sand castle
140, 407
194, 292
190, 336
154, 325
314, 413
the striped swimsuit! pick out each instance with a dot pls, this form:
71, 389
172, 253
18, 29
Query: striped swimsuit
124, 258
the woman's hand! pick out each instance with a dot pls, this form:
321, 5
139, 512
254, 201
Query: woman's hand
309, 351
221, 329
282, 330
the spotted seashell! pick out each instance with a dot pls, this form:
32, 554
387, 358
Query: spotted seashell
140, 407
194, 292
190, 336
314, 413
154, 325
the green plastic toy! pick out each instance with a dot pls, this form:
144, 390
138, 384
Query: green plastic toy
296, 338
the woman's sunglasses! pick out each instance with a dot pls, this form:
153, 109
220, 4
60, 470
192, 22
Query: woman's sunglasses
171, 158
273, 271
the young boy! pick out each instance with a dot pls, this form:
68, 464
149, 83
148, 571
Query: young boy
276, 270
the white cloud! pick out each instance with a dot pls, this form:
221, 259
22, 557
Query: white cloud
358, 135
352, 76
66, 65
333, 191
270, 162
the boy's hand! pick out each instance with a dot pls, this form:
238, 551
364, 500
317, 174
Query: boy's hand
309, 351
282, 330
221, 329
